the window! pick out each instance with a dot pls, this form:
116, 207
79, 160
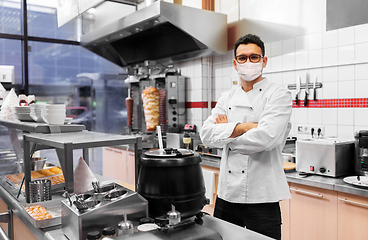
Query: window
10, 54
10, 17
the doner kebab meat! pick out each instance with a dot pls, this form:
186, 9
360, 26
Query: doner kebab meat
150, 97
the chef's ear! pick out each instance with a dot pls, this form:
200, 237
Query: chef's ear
234, 62
265, 60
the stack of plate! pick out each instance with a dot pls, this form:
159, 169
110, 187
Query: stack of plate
23, 113
54, 114
36, 112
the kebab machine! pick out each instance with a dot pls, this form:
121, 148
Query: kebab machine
156, 98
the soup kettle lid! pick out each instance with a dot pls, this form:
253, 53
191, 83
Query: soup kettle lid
170, 157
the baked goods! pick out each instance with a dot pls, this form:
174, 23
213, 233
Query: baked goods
150, 97
35, 174
38, 212
14, 178
57, 179
56, 170
46, 172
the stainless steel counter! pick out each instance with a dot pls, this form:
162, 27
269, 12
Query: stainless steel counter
336, 184
226, 230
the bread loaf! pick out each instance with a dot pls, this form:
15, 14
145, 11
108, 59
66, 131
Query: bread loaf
150, 97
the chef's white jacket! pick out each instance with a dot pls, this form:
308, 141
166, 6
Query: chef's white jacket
251, 169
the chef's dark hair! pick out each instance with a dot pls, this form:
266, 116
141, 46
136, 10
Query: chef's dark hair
250, 38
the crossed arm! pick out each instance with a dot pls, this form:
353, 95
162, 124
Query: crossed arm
239, 128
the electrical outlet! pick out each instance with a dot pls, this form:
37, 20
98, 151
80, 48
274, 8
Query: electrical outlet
318, 130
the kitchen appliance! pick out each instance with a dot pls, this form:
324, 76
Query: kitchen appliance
162, 31
96, 211
188, 139
361, 152
209, 151
171, 103
327, 157
172, 177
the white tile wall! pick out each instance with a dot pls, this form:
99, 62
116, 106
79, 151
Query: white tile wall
361, 71
329, 116
330, 56
346, 36
345, 116
361, 52
346, 72
338, 58
346, 54
345, 132
360, 116
361, 87
361, 33
346, 89
330, 39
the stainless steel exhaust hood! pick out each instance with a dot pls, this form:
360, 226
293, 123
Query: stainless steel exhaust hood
163, 31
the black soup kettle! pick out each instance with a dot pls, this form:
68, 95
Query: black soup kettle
172, 177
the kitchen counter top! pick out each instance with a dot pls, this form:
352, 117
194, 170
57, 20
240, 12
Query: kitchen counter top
226, 230
330, 183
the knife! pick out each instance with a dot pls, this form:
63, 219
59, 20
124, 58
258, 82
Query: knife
306, 92
297, 90
315, 88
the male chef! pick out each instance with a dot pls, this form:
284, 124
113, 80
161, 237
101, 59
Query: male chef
251, 122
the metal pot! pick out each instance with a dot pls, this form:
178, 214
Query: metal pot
172, 177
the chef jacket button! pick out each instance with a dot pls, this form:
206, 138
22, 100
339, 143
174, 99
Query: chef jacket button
229, 171
243, 171
229, 108
260, 89
229, 149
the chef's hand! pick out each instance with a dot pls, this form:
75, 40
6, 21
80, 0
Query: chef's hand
221, 118
243, 128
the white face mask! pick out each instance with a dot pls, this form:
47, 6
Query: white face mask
249, 71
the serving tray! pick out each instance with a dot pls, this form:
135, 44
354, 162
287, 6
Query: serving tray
53, 207
362, 181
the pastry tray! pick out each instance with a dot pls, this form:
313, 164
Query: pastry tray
53, 207
54, 187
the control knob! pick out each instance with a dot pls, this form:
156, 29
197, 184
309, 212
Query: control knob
322, 170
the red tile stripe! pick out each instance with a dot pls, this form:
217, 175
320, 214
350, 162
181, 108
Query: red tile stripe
334, 103
199, 104
321, 103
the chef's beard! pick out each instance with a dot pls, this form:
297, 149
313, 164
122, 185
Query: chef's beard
249, 71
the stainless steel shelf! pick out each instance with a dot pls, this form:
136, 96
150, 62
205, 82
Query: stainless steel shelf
65, 143
33, 127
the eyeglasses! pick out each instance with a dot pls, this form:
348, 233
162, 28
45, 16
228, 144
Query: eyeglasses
254, 58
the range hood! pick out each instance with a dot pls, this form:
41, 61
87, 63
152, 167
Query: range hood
165, 32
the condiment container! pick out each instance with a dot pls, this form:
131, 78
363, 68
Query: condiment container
125, 227
147, 227
109, 232
173, 216
95, 235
